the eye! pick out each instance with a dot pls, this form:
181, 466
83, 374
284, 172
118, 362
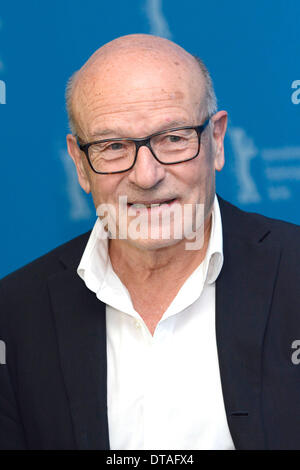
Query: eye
174, 138
115, 146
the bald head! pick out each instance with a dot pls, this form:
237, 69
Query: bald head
136, 55
138, 43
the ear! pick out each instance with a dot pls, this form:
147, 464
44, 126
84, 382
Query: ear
77, 157
219, 121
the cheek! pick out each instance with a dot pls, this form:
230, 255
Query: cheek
199, 174
104, 188
199, 181
101, 190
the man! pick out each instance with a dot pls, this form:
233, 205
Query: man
161, 328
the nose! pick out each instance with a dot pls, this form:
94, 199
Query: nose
147, 171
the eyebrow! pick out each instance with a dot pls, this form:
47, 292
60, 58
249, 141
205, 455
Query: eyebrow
103, 133
98, 134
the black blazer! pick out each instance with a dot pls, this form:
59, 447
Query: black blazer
53, 385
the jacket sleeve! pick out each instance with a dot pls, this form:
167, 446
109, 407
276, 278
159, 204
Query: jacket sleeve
11, 429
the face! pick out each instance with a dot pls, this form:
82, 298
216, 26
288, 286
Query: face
136, 97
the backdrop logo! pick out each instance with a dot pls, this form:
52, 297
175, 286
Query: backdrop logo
158, 23
244, 151
296, 94
2, 92
280, 167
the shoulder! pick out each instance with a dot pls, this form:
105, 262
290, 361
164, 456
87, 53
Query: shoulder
33, 275
256, 227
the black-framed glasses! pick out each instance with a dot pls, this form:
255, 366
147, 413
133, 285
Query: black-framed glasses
168, 147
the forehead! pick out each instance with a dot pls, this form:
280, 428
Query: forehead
137, 86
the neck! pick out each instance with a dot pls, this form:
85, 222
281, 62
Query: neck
154, 277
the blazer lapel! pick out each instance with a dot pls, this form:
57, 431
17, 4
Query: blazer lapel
243, 298
81, 331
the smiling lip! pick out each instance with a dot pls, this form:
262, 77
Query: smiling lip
148, 204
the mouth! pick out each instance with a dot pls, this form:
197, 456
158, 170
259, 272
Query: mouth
151, 204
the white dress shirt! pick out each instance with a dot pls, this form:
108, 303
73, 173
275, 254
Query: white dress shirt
163, 391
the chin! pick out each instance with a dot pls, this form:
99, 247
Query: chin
152, 245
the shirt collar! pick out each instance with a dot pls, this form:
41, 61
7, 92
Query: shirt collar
95, 261
213, 261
